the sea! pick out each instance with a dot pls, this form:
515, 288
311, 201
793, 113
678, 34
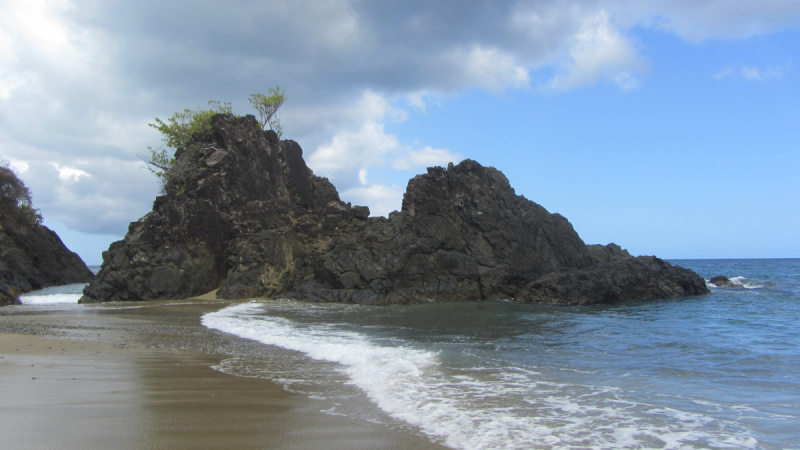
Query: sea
57, 295
718, 371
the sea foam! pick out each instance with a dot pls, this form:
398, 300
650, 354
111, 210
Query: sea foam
481, 407
746, 283
69, 293
49, 299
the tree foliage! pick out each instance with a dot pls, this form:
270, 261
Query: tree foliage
14, 195
267, 108
176, 132
181, 126
178, 129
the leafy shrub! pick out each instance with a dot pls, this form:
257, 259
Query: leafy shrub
178, 129
15, 196
176, 132
267, 108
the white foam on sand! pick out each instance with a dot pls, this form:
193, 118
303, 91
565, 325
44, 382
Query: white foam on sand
500, 407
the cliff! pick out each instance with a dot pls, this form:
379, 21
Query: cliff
250, 218
31, 255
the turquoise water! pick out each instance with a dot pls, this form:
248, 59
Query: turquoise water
719, 371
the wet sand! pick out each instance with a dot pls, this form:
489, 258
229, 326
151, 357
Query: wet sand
139, 376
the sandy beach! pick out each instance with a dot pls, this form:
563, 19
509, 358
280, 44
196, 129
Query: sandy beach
140, 376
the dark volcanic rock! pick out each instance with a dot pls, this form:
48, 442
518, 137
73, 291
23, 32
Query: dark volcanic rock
254, 221
723, 281
616, 276
32, 256
6, 298
645, 277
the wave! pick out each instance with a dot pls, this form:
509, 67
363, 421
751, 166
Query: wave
68, 293
480, 407
746, 283
743, 282
49, 299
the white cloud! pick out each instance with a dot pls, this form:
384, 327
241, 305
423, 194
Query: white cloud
80, 80
425, 157
697, 20
599, 52
351, 151
349, 154
417, 101
494, 70
17, 166
753, 73
69, 173
95, 196
381, 199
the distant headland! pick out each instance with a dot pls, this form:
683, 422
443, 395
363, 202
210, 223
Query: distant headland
31, 255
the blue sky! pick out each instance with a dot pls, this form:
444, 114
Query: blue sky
665, 126
694, 163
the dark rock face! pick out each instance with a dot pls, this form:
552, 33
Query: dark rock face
645, 277
33, 257
256, 222
723, 281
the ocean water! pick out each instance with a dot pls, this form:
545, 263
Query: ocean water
718, 371
68, 293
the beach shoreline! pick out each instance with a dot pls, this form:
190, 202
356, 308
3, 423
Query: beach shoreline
140, 376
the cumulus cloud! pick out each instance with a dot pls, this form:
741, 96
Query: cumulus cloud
70, 124
351, 151
494, 70
417, 101
81, 79
99, 196
599, 52
381, 199
360, 141
347, 158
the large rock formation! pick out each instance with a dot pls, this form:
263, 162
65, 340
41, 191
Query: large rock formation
251, 220
31, 255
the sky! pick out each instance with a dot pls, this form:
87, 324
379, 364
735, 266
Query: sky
669, 127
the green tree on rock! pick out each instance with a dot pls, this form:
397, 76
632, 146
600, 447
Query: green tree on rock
178, 129
15, 196
267, 108
176, 132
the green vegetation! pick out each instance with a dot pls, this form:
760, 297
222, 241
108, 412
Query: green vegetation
14, 195
267, 107
182, 125
176, 132
178, 129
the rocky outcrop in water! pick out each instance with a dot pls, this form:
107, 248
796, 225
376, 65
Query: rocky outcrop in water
253, 221
723, 281
31, 255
